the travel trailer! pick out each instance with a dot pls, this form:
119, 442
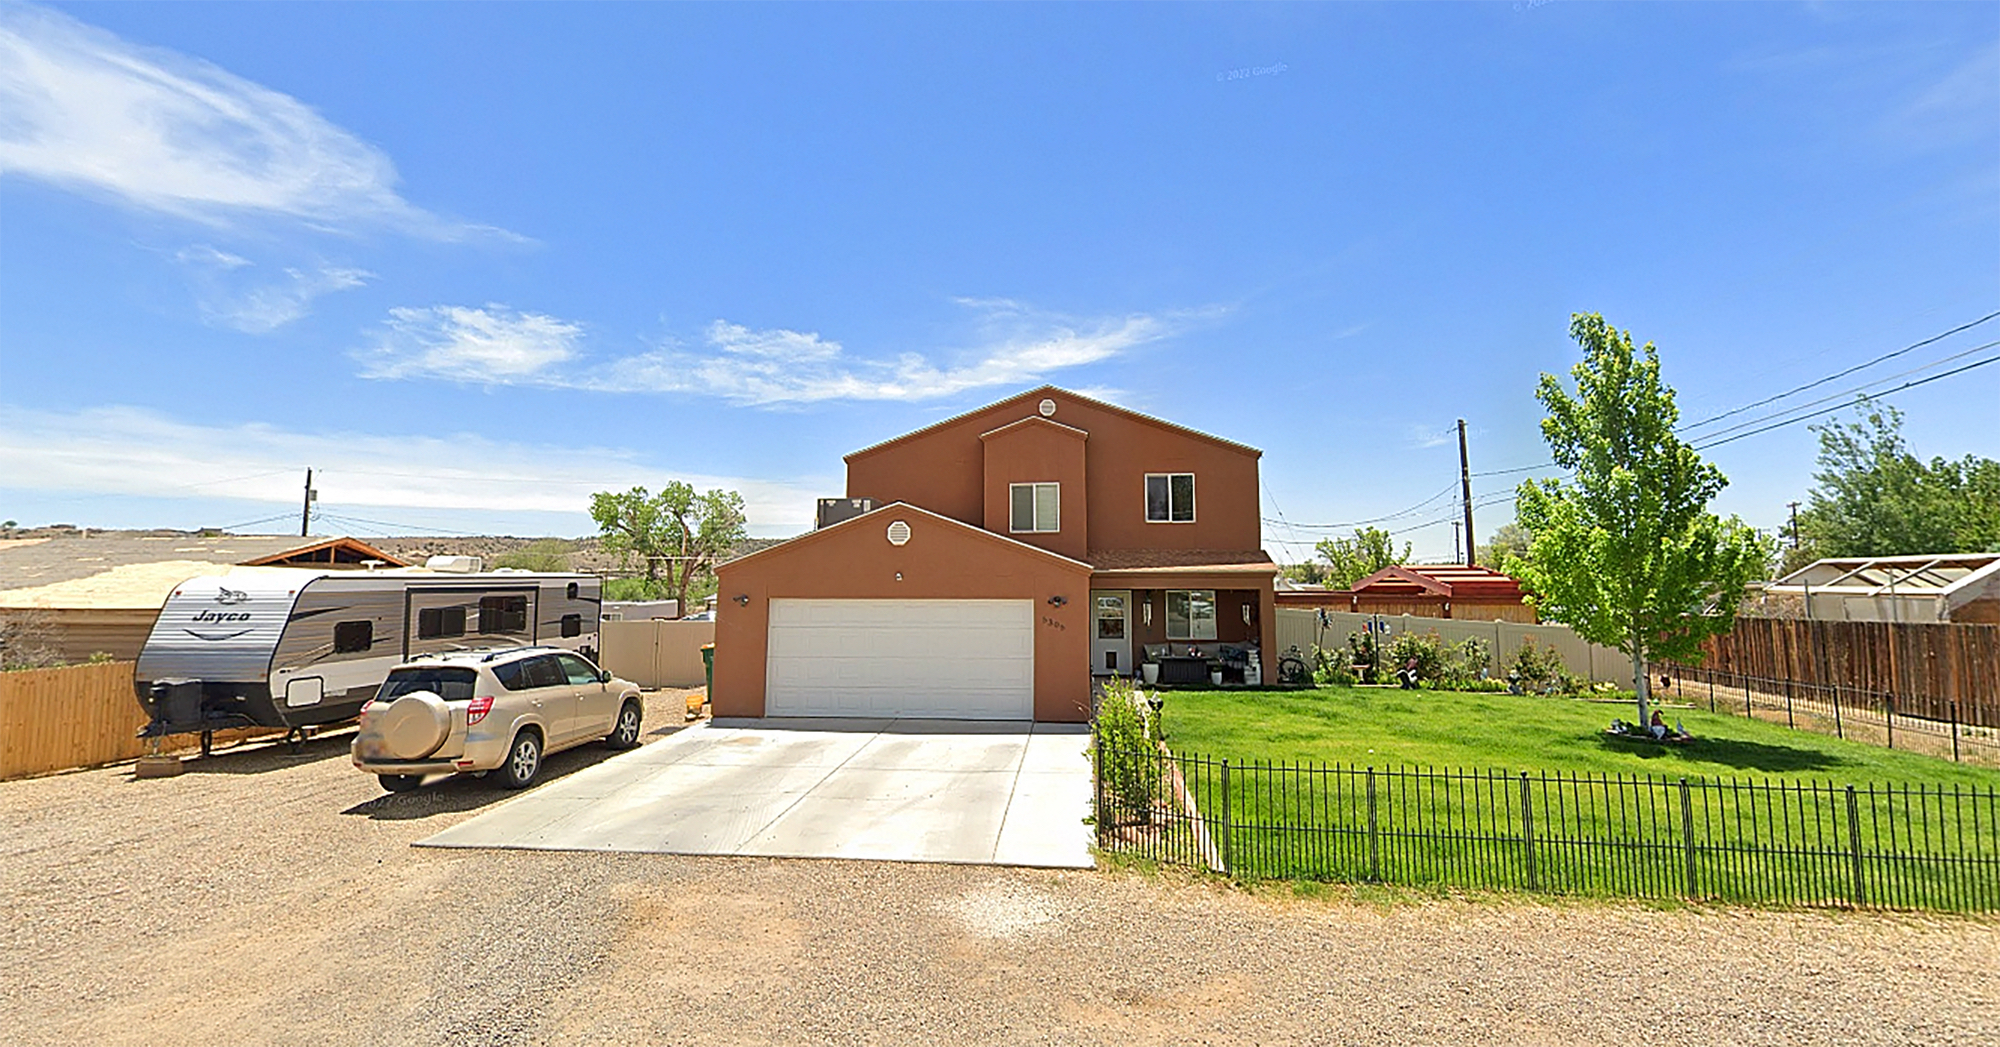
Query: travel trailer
294, 648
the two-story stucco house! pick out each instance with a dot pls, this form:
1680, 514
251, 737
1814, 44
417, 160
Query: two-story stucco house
1015, 550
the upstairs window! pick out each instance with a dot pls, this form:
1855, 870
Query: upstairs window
1169, 497
1034, 507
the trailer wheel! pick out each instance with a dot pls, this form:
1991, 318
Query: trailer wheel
400, 783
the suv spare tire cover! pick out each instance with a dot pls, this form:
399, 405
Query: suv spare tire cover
413, 726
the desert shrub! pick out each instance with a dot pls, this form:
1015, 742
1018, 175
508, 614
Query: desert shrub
29, 640
1128, 757
543, 554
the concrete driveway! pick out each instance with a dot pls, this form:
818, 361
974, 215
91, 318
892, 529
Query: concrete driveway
966, 792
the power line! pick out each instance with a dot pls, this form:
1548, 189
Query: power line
341, 518
1842, 374
1357, 523
1851, 403
1856, 389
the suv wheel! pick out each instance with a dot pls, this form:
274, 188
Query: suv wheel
625, 734
401, 783
524, 761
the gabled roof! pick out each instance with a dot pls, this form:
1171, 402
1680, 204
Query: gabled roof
893, 511
1450, 581
331, 550
1049, 390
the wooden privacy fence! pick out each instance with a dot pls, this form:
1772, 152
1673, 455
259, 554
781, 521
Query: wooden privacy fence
1925, 666
1300, 628
656, 653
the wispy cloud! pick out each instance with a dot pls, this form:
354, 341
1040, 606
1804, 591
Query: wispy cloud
131, 452
1012, 344
164, 132
235, 292
1957, 106
491, 346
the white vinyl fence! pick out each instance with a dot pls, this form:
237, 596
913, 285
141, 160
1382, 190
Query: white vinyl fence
1299, 627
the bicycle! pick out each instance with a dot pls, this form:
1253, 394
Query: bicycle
1292, 667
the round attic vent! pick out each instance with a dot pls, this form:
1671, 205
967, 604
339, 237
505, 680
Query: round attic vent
899, 532
1048, 408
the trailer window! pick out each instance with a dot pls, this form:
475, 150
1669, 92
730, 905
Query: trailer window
503, 614
434, 622
452, 685
572, 625
349, 637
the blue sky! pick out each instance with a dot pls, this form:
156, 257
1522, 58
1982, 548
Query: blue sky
474, 262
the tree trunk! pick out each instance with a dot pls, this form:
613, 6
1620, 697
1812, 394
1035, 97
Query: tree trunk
1640, 683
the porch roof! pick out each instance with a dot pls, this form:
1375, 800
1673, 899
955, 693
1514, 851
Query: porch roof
1189, 568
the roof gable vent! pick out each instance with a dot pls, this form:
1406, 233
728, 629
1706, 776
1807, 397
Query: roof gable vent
899, 533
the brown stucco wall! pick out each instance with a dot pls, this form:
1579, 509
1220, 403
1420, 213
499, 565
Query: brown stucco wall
942, 469
1038, 451
942, 560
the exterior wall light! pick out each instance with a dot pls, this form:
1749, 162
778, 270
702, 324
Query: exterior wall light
1058, 601
742, 600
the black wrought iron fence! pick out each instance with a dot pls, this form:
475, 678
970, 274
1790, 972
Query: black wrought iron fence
1924, 846
1855, 713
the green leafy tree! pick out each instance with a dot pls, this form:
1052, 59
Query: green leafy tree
1873, 497
1510, 541
1627, 553
1348, 560
678, 532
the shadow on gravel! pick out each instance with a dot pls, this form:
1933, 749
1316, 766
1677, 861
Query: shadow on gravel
264, 755
457, 793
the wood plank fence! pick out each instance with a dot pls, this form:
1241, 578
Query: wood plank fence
1925, 666
75, 716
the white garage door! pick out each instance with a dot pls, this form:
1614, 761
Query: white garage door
951, 659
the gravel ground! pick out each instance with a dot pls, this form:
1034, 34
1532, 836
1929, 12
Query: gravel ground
271, 898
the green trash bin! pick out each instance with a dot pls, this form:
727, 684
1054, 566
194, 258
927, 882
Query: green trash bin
708, 665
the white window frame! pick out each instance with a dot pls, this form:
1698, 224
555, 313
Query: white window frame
1054, 491
1146, 502
1215, 615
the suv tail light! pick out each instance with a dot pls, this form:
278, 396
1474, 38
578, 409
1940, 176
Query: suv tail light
478, 708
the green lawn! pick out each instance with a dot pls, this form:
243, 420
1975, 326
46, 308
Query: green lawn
1386, 727
1503, 791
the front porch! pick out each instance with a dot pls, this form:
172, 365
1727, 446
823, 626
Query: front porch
1189, 619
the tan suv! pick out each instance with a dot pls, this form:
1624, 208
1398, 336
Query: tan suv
483, 711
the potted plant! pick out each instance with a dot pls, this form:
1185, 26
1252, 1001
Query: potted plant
1149, 669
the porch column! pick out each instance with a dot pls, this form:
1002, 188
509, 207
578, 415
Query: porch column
1267, 629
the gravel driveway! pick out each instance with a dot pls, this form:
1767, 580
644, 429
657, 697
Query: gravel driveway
273, 898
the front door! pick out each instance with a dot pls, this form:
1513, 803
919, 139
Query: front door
1110, 635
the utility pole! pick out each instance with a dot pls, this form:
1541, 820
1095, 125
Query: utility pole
1465, 491
305, 514
1794, 506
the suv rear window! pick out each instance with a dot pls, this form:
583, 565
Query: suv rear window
453, 685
